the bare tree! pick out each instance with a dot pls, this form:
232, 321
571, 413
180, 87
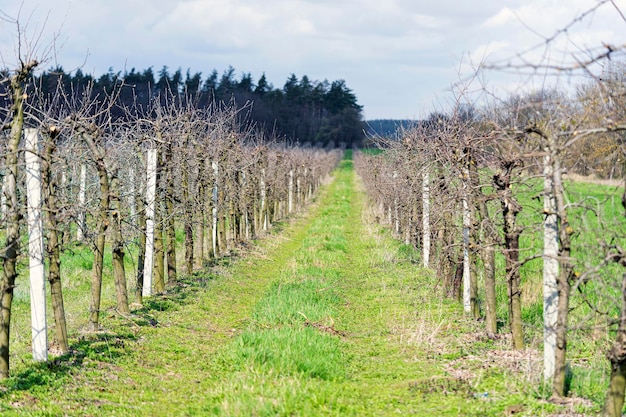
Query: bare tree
53, 247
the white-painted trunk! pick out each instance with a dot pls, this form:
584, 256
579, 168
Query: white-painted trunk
151, 175
467, 302
263, 200
426, 218
395, 206
550, 273
215, 201
35, 246
82, 187
290, 197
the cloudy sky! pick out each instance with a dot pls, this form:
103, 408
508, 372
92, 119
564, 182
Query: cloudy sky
400, 57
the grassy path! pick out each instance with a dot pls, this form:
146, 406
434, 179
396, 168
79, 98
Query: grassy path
331, 318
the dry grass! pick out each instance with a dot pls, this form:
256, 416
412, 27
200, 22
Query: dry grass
592, 179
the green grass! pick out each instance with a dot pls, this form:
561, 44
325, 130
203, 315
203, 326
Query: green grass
331, 317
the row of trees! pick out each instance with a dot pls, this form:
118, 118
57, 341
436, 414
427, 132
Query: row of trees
306, 111
477, 188
119, 183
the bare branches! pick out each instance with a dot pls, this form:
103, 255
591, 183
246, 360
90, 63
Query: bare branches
527, 62
29, 42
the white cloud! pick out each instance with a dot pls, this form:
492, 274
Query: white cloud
501, 18
397, 55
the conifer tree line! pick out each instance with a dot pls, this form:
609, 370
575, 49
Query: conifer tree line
485, 196
319, 113
126, 175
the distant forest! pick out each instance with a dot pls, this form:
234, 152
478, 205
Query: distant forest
303, 111
387, 128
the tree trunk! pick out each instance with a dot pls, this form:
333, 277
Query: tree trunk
207, 208
256, 221
82, 225
200, 216
130, 198
426, 217
170, 229
12, 215
550, 273
512, 232
96, 277
450, 267
117, 248
290, 192
36, 268
467, 288
233, 224
53, 249
396, 208
408, 226
159, 230
142, 249
149, 240
563, 280
488, 256
214, 211
457, 281
470, 302
614, 402
487, 235
188, 219
262, 204
98, 155
222, 241
159, 251
299, 197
